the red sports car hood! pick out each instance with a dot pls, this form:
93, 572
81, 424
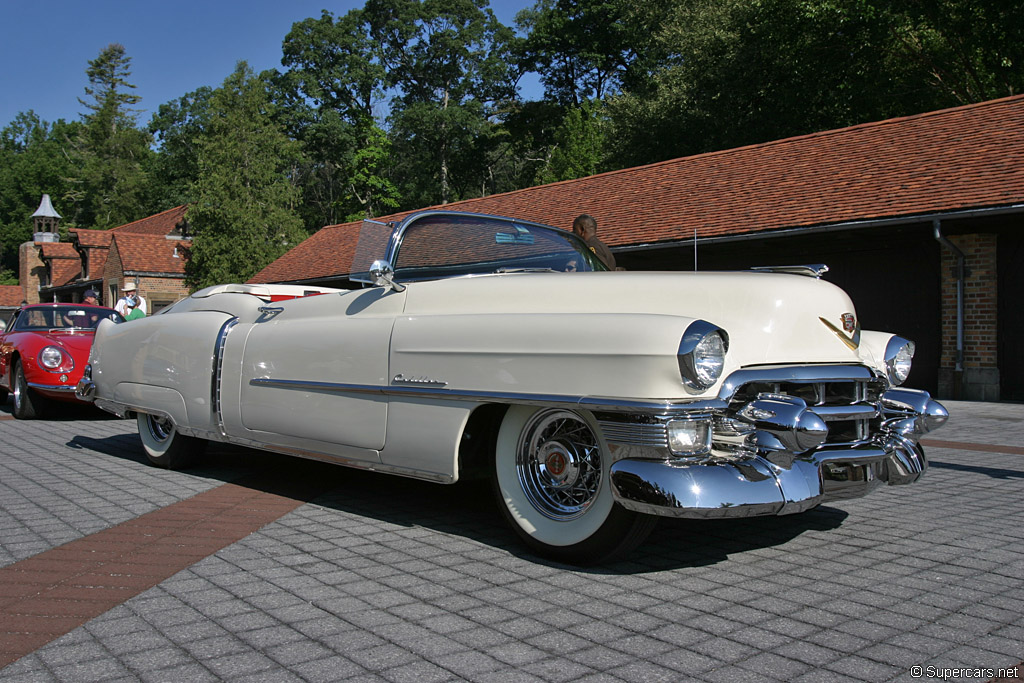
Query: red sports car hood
76, 343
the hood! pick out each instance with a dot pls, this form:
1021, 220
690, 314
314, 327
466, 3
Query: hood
76, 343
769, 317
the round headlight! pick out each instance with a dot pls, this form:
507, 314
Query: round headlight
702, 354
51, 357
899, 356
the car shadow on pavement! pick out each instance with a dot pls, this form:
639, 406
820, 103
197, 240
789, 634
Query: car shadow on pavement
994, 472
467, 509
59, 411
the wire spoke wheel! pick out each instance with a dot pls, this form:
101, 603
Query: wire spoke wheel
552, 483
559, 464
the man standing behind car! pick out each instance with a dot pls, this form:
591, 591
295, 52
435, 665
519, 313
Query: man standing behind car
586, 227
129, 291
85, 319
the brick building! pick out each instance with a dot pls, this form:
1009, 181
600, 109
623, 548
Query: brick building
920, 219
150, 252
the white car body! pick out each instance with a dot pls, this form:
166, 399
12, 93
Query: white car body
572, 390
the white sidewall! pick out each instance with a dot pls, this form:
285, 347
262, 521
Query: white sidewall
154, 447
529, 519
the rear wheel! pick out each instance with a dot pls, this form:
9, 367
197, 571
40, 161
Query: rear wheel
28, 404
551, 479
164, 446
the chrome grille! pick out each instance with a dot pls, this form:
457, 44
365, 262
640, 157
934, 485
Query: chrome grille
655, 435
850, 407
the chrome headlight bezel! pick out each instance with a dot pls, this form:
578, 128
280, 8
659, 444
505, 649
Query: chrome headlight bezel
899, 360
54, 359
701, 355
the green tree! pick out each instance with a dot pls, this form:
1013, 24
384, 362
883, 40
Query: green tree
448, 61
34, 160
110, 185
334, 80
587, 50
368, 185
178, 127
579, 145
967, 51
244, 213
735, 72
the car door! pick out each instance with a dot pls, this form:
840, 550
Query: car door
313, 370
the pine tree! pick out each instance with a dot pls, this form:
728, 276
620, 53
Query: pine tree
111, 151
244, 215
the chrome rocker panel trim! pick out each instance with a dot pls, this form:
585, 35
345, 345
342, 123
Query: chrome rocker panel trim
51, 387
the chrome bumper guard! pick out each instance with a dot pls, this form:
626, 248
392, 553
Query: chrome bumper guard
85, 390
787, 464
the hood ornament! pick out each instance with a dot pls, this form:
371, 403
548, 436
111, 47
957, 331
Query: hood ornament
850, 325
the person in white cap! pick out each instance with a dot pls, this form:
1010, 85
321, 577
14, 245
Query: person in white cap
123, 305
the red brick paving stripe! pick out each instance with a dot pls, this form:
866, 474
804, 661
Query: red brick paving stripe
48, 595
983, 447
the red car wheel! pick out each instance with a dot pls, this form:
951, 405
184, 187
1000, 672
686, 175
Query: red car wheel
27, 404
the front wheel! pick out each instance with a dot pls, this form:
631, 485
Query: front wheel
27, 404
551, 479
164, 446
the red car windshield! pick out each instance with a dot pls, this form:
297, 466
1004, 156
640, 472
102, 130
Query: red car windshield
68, 317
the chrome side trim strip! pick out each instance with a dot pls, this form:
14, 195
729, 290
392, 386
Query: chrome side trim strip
218, 369
665, 407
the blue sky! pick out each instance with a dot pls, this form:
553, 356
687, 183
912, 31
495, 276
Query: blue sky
176, 47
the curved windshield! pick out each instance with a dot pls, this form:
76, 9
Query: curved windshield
67, 317
444, 245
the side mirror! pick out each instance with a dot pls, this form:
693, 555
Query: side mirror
383, 275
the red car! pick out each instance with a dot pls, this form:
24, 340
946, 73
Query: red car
43, 351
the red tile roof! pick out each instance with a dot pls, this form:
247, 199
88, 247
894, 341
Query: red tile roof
93, 238
97, 263
64, 271
59, 250
151, 253
964, 158
11, 295
163, 223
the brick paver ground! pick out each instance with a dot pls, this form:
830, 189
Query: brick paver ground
380, 578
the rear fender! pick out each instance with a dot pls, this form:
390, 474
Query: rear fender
150, 352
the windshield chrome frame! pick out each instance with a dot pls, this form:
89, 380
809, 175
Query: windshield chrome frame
398, 232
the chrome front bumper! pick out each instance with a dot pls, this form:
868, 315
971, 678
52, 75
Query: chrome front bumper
791, 468
60, 388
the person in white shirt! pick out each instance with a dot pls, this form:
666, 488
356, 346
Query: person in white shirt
129, 291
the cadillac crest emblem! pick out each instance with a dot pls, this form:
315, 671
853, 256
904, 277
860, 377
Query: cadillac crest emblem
849, 322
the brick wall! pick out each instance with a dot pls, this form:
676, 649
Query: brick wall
112, 278
161, 291
32, 270
980, 378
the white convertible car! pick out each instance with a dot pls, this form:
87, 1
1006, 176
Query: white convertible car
592, 401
